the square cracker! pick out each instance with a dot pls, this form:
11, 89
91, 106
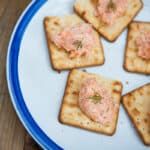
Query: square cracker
59, 58
132, 62
137, 105
70, 112
86, 9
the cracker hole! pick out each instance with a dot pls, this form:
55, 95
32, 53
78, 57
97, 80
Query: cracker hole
135, 112
141, 93
148, 92
135, 5
96, 59
70, 82
138, 119
94, 2
82, 76
130, 37
83, 13
56, 23
129, 103
88, 123
145, 120
107, 125
67, 93
101, 25
79, 113
134, 98
137, 123
75, 93
138, 26
81, 123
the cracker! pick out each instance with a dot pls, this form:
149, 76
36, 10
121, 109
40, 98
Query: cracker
137, 105
70, 112
86, 9
132, 62
59, 58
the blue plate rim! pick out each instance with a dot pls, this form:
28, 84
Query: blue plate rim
13, 78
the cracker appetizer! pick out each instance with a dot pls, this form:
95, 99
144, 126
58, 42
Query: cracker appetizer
137, 54
72, 43
91, 102
137, 105
108, 17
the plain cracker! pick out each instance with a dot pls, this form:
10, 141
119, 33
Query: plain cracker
137, 105
86, 9
70, 112
59, 57
132, 62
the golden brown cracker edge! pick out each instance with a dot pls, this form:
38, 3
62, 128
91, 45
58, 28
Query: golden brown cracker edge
48, 41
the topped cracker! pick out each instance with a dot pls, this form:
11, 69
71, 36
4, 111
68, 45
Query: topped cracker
59, 57
86, 9
70, 112
132, 62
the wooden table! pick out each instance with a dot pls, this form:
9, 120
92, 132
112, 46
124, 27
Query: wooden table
13, 136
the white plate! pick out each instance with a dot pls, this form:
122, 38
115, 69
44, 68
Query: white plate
36, 90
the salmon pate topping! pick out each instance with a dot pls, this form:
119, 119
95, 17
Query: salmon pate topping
96, 102
109, 10
77, 40
143, 45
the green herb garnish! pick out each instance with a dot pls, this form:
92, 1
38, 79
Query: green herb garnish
111, 5
96, 98
78, 44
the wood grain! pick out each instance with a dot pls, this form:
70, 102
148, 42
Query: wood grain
13, 136
11, 131
30, 144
